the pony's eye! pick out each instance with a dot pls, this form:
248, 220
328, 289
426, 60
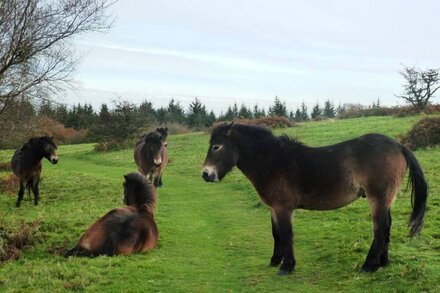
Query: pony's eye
216, 147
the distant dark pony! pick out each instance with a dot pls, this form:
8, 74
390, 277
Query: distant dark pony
126, 230
26, 164
289, 175
151, 155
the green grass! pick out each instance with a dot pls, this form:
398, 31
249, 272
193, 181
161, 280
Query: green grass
217, 237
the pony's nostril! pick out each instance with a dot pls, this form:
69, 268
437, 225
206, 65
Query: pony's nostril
205, 175
54, 161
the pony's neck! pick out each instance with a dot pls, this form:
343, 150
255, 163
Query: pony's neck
261, 157
34, 153
147, 200
256, 155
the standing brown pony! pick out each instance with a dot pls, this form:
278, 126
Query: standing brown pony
151, 155
126, 230
289, 175
26, 164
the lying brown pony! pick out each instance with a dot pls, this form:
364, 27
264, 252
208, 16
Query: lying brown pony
126, 230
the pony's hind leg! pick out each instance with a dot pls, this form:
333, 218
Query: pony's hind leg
78, 251
36, 192
20, 194
384, 255
378, 253
277, 256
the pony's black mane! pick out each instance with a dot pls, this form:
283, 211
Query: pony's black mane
38, 141
143, 192
290, 140
253, 134
160, 134
153, 136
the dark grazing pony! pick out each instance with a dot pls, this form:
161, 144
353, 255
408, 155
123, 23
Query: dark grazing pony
126, 230
26, 164
151, 155
289, 175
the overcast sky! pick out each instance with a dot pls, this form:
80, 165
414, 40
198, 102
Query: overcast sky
251, 51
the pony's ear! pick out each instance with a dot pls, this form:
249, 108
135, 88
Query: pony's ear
126, 177
163, 131
229, 129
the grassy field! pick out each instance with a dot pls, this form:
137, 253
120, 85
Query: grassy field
217, 237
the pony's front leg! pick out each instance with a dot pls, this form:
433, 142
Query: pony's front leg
285, 232
36, 192
158, 181
277, 256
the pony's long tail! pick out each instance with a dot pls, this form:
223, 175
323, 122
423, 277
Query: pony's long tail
419, 192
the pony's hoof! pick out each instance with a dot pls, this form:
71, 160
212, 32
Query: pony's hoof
368, 268
17, 205
35, 203
283, 272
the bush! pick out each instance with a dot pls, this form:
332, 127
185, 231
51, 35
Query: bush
358, 110
320, 118
13, 242
176, 128
5, 166
71, 136
9, 184
426, 133
63, 135
173, 128
406, 111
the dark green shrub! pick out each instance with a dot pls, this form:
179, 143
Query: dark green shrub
426, 133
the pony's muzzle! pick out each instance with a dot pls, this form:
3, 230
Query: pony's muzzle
209, 174
54, 160
157, 162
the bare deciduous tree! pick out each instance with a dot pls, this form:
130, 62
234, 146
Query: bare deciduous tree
36, 52
420, 86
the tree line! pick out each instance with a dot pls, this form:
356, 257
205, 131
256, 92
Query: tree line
196, 117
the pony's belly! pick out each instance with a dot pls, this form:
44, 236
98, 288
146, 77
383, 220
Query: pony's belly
326, 202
